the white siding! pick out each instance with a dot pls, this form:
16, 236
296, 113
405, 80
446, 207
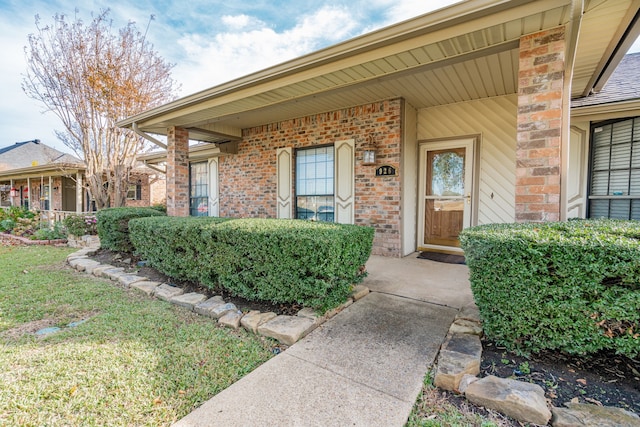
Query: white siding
577, 173
494, 121
409, 175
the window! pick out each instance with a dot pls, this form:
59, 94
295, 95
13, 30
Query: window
315, 184
198, 189
44, 197
5, 195
614, 187
134, 191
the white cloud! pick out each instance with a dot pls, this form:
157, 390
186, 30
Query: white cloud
240, 22
231, 54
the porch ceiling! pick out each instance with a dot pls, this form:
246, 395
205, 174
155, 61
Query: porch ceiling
464, 52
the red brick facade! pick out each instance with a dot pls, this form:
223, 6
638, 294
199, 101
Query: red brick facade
248, 180
177, 172
540, 95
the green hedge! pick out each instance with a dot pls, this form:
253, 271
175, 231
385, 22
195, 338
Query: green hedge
567, 286
281, 261
113, 226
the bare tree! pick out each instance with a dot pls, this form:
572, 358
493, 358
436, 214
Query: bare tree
91, 78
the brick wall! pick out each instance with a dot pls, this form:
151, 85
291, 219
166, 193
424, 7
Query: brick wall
540, 94
145, 193
248, 179
177, 172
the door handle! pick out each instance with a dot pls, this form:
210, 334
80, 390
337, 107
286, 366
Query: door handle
468, 198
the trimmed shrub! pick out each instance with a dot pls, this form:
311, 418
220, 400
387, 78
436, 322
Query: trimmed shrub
113, 226
80, 225
282, 261
567, 286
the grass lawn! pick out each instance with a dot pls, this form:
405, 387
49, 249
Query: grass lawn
135, 361
433, 409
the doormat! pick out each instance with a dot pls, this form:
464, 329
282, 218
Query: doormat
448, 258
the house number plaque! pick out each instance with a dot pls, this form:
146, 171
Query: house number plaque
385, 170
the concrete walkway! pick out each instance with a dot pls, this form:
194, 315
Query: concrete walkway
364, 367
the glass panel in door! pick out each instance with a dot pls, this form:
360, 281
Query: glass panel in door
444, 210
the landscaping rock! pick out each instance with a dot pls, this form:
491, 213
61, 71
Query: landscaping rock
92, 243
204, 308
76, 255
128, 279
231, 319
188, 300
113, 273
359, 291
146, 286
82, 264
470, 312
73, 262
287, 329
466, 381
460, 355
223, 309
464, 326
519, 400
166, 292
89, 269
329, 314
579, 414
310, 313
99, 270
252, 320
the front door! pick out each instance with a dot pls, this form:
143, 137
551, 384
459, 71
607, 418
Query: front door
446, 174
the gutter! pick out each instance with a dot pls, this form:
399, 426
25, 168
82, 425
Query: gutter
134, 127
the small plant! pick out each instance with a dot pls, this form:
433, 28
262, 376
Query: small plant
49, 233
7, 225
80, 225
524, 368
26, 226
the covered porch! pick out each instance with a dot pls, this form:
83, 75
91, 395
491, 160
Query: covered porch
488, 80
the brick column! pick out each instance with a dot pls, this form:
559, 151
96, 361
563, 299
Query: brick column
540, 94
177, 172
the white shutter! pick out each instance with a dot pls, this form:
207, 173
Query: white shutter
283, 172
345, 182
214, 193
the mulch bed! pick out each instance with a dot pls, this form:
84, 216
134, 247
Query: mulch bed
602, 379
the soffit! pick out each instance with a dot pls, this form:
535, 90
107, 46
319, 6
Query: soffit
467, 61
61, 169
603, 23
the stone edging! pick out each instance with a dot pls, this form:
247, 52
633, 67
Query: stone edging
459, 363
24, 240
284, 328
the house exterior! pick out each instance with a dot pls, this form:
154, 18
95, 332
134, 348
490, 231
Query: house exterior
455, 118
36, 176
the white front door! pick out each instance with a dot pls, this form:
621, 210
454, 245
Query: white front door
446, 175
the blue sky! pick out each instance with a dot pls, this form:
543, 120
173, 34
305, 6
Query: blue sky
210, 42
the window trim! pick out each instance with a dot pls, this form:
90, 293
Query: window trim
635, 143
205, 165
296, 195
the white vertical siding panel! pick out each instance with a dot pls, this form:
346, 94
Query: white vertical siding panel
495, 120
577, 173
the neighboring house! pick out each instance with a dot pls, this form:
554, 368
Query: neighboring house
40, 177
455, 118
